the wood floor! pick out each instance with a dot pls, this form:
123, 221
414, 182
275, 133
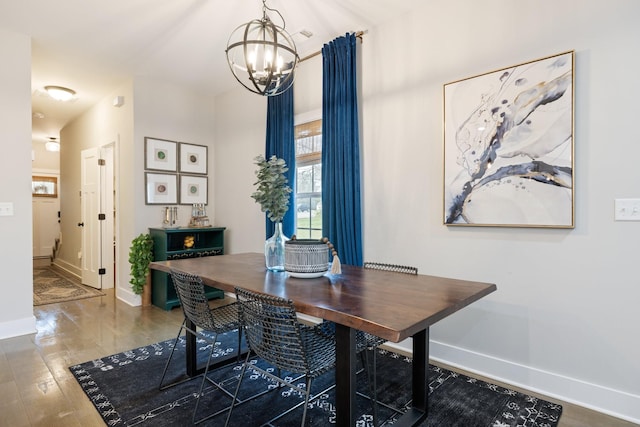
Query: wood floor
37, 389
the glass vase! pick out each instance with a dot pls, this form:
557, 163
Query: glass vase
274, 249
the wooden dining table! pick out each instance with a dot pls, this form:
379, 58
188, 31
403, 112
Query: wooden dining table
393, 306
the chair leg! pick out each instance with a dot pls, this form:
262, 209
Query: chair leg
166, 366
204, 379
235, 395
238, 358
306, 401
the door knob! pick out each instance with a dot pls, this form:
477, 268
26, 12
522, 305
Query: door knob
81, 224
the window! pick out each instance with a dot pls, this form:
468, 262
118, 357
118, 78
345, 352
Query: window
44, 186
308, 198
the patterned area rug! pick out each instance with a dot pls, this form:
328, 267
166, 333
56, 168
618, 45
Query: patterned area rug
50, 287
124, 389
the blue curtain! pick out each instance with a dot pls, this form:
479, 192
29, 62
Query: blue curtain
341, 210
280, 142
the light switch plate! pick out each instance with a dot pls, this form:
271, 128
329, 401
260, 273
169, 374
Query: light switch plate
627, 209
6, 209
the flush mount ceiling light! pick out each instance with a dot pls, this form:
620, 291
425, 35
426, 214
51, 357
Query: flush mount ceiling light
262, 56
60, 93
52, 144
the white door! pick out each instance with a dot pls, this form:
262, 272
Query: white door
98, 217
46, 228
107, 233
89, 222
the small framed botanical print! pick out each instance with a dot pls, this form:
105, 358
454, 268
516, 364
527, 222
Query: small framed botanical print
193, 189
160, 154
193, 158
161, 189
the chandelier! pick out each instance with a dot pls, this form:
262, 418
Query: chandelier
262, 55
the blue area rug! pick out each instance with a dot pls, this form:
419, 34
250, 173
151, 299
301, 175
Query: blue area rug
124, 389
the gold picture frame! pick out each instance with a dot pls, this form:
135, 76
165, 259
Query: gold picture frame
508, 146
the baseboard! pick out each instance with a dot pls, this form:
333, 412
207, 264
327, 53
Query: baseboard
41, 261
127, 296
69, 268
615, 403
608, 401
18, 327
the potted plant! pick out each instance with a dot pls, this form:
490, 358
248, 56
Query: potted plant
140, 255
272, 194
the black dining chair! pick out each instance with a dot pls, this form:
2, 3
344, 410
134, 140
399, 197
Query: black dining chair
274, 334
366, 343
208, 324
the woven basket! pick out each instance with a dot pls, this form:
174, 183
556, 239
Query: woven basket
306, 256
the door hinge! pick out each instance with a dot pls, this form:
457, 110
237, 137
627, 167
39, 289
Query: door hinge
102, 271
102, 217
102, 162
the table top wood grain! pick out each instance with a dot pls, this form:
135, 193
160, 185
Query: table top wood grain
393, 306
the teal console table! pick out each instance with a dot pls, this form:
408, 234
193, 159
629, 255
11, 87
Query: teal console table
179, 243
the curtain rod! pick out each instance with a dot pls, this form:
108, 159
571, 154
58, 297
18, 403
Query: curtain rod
359, 35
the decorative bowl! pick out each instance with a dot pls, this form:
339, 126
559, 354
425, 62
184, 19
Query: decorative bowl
306, 258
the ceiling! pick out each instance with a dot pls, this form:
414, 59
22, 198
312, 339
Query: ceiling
93, 47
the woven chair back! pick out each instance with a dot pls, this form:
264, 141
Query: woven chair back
194, 302
391, 267
272, 330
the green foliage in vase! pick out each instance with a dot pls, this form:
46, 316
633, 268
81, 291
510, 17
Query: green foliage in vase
140, 255
273, 189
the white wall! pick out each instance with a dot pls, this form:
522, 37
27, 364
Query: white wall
101, 125
565, 300
166, 111
564, 319
16, 286
44, 160
240, 132
152, 108
240, 129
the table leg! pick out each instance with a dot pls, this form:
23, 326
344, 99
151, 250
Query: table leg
345, 376
417, 413
191, 350
191, 354
421, 371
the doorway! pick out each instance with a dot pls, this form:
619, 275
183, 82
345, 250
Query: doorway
46, 222
45, 185
98, 216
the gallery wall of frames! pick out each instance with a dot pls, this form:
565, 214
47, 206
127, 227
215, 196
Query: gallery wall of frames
175, 172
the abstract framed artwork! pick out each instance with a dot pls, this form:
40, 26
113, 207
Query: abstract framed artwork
193, 189
160, 154
161, 188
193, 158
508, 146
